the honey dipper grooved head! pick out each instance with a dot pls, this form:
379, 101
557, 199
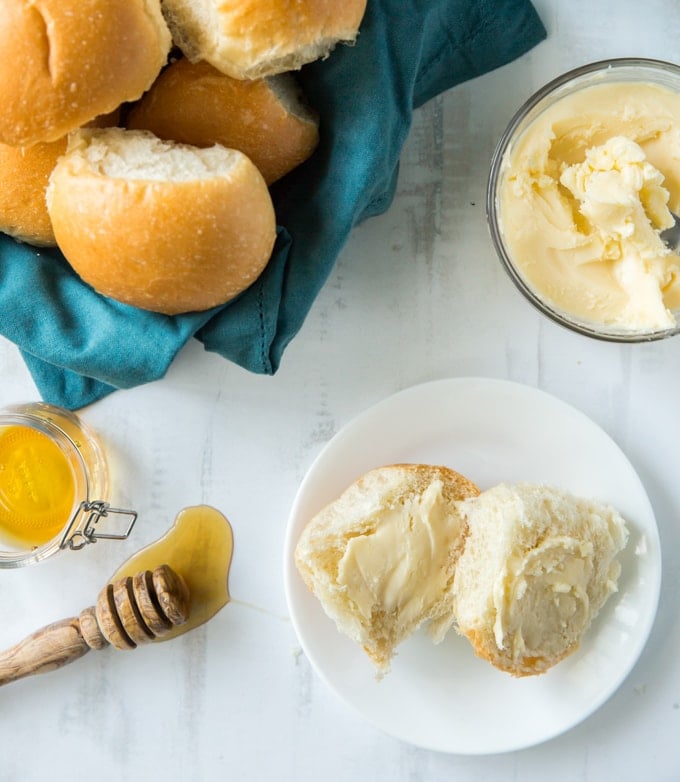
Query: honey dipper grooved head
137, 609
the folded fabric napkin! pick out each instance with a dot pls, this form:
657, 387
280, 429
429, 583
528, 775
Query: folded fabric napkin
80, 346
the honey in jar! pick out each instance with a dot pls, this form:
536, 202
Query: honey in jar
37, 487
52, 468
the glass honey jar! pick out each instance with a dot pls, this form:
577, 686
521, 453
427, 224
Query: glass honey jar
54, 485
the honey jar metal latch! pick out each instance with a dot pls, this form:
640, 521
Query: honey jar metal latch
83, 527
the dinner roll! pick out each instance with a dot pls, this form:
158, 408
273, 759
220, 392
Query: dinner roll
24, 175
65, 62
162, 226
538, 565
381, 557
248, 39
266, 119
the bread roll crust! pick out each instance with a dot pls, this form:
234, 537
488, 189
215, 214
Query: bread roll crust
65, 62
164, 243
248, 39
24, 174
194, 103
416, 561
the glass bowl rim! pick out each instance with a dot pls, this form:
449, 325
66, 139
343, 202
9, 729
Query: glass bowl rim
585, 328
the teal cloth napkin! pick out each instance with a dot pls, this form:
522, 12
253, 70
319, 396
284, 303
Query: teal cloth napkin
80, 346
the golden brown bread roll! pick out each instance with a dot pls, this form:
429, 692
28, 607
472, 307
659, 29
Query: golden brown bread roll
248, 39
162, 226
24, 175
65, 62
265, 119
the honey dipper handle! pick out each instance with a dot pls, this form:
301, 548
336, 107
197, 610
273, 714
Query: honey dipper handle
51, 647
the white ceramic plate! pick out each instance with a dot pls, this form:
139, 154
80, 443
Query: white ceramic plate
443, 697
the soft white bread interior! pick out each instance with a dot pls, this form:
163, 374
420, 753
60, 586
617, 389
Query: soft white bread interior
537, 567
65, 62
266, 119
162, 226
381, 558
248, 39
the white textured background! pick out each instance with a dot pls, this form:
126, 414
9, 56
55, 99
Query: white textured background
417, 295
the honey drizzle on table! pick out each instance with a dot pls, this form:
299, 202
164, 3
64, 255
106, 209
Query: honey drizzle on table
199, 547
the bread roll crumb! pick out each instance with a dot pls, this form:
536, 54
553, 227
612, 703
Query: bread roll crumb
538, 565
381, 557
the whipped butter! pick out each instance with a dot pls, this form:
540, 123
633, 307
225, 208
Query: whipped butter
586, 191
538, 565
402, 564
542, 603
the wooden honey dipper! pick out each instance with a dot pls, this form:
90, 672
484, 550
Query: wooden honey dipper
128, 612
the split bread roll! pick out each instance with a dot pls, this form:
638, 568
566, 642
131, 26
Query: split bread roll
266, 119
249, 39
161, 226
381, 558
65, 62
537, 567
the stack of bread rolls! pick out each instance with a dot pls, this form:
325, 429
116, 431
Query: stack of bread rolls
141, 136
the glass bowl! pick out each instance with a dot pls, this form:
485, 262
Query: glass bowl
552, 104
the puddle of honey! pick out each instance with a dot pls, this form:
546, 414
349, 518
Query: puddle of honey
199, 547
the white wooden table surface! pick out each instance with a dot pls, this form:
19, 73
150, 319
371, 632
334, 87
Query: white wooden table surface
418, 294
